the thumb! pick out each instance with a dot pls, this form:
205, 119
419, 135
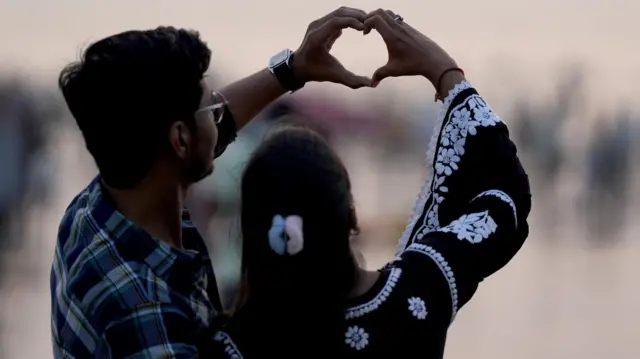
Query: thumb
356, 81
349, 79
381, 74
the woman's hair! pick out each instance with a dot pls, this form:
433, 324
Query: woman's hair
294, 305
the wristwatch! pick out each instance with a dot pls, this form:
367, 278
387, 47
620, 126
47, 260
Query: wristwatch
280, 67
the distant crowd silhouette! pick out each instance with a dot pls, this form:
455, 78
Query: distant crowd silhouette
27, 115
601, 168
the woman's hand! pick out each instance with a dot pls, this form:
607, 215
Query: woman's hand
410, 52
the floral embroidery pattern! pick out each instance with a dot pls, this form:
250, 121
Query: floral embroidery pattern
370, 306
356, 337
229, 346
418, 308
426, 190
446, 270
474, 227
455, 133
463, 121
503, 196
447, 161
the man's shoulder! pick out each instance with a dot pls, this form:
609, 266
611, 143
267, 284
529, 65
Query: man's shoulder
80, 212
104, 286
101, 271
102, 292
95, 266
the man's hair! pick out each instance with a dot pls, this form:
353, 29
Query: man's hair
127, 90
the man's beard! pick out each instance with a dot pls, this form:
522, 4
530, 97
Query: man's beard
199, 170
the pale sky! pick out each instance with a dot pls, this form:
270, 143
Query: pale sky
494, 40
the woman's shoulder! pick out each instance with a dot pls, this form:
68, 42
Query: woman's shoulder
395, 311
418, 279
386, 319
402, 292
224, 344
377, 296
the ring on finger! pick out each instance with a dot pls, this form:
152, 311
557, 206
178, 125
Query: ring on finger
399, 19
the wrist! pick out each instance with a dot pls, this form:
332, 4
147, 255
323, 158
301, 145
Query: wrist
298, 66
283, 66
448, 82
433, 72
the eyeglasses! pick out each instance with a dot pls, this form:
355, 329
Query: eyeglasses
217, 109
226, 131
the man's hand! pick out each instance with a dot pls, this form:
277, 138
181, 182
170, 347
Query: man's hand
312, 60
410, 52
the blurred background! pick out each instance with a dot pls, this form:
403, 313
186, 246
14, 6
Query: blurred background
564, 74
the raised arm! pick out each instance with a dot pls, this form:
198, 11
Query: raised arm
470, 155
471, 216
311, 62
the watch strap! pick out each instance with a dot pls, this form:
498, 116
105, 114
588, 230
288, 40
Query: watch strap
285, 75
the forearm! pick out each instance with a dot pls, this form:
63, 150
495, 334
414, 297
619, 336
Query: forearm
249, 96
312, 63
470, 153
426, 201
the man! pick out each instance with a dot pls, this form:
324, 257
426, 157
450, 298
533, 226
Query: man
131, 277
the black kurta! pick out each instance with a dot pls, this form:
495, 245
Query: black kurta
469, 221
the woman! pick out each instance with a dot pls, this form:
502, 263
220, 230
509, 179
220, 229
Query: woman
303, 293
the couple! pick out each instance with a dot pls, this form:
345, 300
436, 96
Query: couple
131, 277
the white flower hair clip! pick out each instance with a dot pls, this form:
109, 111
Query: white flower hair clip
285, 235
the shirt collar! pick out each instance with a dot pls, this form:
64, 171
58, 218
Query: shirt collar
134, 244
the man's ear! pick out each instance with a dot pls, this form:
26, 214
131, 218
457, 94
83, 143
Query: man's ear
180, 139
353, 220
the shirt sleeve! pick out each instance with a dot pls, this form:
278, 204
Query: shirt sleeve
150, 331
471, 216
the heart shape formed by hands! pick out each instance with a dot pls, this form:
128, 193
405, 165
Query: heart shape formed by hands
313, 61
410, 52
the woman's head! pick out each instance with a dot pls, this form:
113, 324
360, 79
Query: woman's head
295, 173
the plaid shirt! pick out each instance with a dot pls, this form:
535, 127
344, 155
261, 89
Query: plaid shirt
116, 292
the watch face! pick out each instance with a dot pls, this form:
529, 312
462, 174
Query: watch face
279, 58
